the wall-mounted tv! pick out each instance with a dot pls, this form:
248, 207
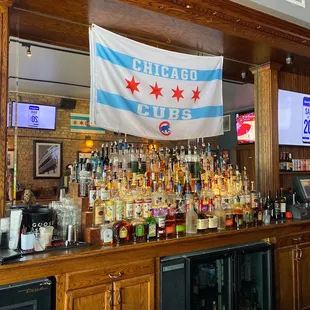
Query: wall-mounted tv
245, 126
35, 116
293, 118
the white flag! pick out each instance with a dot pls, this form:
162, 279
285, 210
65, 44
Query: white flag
153, 93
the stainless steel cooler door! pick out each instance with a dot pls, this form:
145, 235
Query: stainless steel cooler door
210, 283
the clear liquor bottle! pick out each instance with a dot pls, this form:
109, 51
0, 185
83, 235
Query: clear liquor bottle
106, 233
191, 220
98, 212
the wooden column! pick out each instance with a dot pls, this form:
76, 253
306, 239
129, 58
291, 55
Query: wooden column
266, 127
4, 46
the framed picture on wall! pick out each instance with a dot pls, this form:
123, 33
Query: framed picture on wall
47, 159
10, 159
83, 155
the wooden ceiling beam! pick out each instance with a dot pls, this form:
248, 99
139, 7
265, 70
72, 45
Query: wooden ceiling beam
235, 19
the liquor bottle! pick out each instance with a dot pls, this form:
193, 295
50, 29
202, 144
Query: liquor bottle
212, 218
196, 163
98, 212
189, 160
170, 221
121, 231
260, 210
282, 204
151, 226
159, 213
202, 222
196, 197
191, 220
277, 207
106, 233
106, 160
180, 215
220, 213
92, 193
281, 162
138, 229
253, 195
187, 190
109, 211
290, 162
229, 215
268, 209
133, 161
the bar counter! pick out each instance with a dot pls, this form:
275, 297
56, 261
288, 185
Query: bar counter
92, 266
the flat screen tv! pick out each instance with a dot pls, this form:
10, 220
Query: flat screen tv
35, 116
293, 118
245, 126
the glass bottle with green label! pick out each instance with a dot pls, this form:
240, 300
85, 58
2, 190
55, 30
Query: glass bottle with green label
138, 229
151, 226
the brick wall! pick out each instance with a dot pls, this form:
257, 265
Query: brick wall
72, 142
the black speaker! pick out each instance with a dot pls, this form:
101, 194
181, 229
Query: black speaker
68, 104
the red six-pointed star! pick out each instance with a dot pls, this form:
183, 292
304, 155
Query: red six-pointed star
74, 122
196, 94
81, 122
177, 93
132, 85
156, 91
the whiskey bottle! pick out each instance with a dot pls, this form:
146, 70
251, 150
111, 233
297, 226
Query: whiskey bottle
121, 231
170, 221
180, 218
98, 212
202, 221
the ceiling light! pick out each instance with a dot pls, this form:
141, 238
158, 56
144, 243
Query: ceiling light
28, 48
289, 60
188, 6
28, 51
243, 75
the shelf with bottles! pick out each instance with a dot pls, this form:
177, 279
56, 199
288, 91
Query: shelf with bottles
288, 164
140, 193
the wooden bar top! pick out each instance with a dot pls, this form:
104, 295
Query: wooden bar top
55, 262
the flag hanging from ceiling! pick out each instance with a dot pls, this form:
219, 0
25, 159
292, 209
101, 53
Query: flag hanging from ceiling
81, 123
149, 92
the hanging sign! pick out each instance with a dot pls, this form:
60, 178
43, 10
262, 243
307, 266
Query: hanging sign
81, 123
149, 92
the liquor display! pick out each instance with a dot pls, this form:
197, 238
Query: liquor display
287, 163
148, 193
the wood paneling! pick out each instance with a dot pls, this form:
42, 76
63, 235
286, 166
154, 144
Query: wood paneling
303, 267
245, 157
4, 35
285, 278
210, 27
266, 127
135, 293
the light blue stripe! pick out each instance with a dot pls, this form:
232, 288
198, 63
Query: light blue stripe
80, 117
119, 102
126, 61
86, 128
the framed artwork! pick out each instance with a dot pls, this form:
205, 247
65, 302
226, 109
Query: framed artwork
47, 159
10, 159
83, 155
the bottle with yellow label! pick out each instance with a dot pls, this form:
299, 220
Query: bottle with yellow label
121, 231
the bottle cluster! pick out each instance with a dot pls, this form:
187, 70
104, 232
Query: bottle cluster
138, 193
287, 163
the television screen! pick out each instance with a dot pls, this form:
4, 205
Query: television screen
245, 126
293, 118
34, 116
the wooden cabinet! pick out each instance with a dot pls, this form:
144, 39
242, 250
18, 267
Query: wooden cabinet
119, 287
130, 294
292, 269
134, 294
97, 297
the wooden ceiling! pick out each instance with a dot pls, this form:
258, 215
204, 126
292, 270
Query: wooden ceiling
243, 36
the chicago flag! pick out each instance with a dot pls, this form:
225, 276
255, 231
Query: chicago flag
153, 93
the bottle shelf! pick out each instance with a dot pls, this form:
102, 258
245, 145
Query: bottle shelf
294, 172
